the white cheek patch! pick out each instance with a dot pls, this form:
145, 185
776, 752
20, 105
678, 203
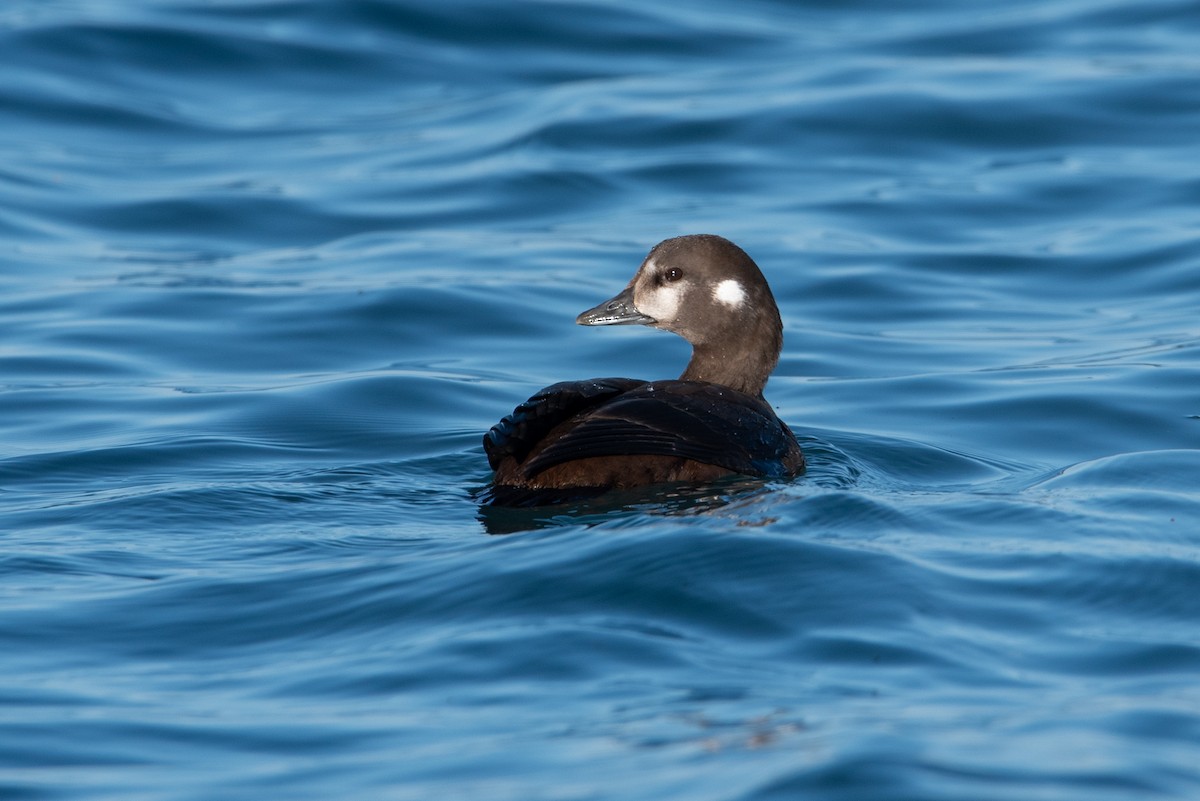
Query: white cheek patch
662, 303
730, 293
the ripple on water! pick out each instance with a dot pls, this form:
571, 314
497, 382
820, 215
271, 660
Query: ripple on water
270, 270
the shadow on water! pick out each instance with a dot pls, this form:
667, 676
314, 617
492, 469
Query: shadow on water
661, 500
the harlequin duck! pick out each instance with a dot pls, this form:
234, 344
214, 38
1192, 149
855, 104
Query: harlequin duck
581, 438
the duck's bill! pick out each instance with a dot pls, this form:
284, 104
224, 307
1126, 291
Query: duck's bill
618, 311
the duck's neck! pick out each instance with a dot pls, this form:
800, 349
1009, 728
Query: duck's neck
745, 370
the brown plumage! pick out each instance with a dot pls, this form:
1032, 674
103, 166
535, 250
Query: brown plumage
580, 438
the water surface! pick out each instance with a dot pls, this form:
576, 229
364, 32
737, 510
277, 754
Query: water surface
268, 270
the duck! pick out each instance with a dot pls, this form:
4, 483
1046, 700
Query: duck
578, 439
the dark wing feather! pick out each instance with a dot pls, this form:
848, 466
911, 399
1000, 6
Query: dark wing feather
694, 420
518, 433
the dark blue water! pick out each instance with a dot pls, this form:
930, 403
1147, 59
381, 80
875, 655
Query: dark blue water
268, 270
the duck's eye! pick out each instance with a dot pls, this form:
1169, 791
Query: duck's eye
672, 275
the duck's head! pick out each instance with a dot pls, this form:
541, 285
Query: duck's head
707, 290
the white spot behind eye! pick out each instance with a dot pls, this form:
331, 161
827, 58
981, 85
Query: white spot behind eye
729, 292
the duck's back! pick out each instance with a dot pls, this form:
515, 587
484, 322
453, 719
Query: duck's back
610, 433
